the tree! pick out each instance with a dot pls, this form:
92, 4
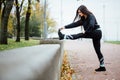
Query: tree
0, 16
27, 20
18, 11
34, 27
11, 26
4, 20
34, 21
0, 7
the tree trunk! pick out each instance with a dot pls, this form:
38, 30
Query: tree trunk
27, 20
18, 11
1, 1
4, 21
0, 7
18, 21
0, 16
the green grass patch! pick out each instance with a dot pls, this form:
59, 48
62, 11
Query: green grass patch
113, 42
23, 43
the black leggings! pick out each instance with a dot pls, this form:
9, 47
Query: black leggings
96, 37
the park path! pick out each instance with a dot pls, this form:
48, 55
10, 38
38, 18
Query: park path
84, 61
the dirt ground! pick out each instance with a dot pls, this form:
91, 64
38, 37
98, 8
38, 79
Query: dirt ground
84, 61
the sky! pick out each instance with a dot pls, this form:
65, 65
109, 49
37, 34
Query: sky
106, 12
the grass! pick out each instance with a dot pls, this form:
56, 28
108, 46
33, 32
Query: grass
113, 42
12, 44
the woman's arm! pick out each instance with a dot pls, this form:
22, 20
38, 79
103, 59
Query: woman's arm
74, 24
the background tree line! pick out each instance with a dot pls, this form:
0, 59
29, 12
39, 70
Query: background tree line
22, 18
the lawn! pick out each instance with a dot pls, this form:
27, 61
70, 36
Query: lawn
113, 42
12, 44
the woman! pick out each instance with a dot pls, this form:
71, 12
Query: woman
91, 30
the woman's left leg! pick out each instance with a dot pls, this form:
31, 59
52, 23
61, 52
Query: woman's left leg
72, 37
96, 44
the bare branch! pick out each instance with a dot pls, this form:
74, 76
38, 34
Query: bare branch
21, 5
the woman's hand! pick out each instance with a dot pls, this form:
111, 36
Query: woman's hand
83, 32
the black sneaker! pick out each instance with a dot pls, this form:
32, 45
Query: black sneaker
61, 36
100, 69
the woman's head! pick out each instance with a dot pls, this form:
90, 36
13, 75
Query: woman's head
82, 11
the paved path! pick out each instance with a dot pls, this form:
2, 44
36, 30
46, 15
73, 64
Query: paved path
84, 61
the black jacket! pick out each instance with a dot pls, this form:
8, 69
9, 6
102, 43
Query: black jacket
89, 24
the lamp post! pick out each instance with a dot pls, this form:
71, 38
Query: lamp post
61, 13
45, 22
104, 37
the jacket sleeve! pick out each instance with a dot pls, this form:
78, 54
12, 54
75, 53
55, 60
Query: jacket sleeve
74, 24
90, 24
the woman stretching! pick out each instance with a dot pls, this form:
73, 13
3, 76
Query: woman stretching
91, 30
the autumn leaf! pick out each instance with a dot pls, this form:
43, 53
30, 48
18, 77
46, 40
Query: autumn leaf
66, 70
